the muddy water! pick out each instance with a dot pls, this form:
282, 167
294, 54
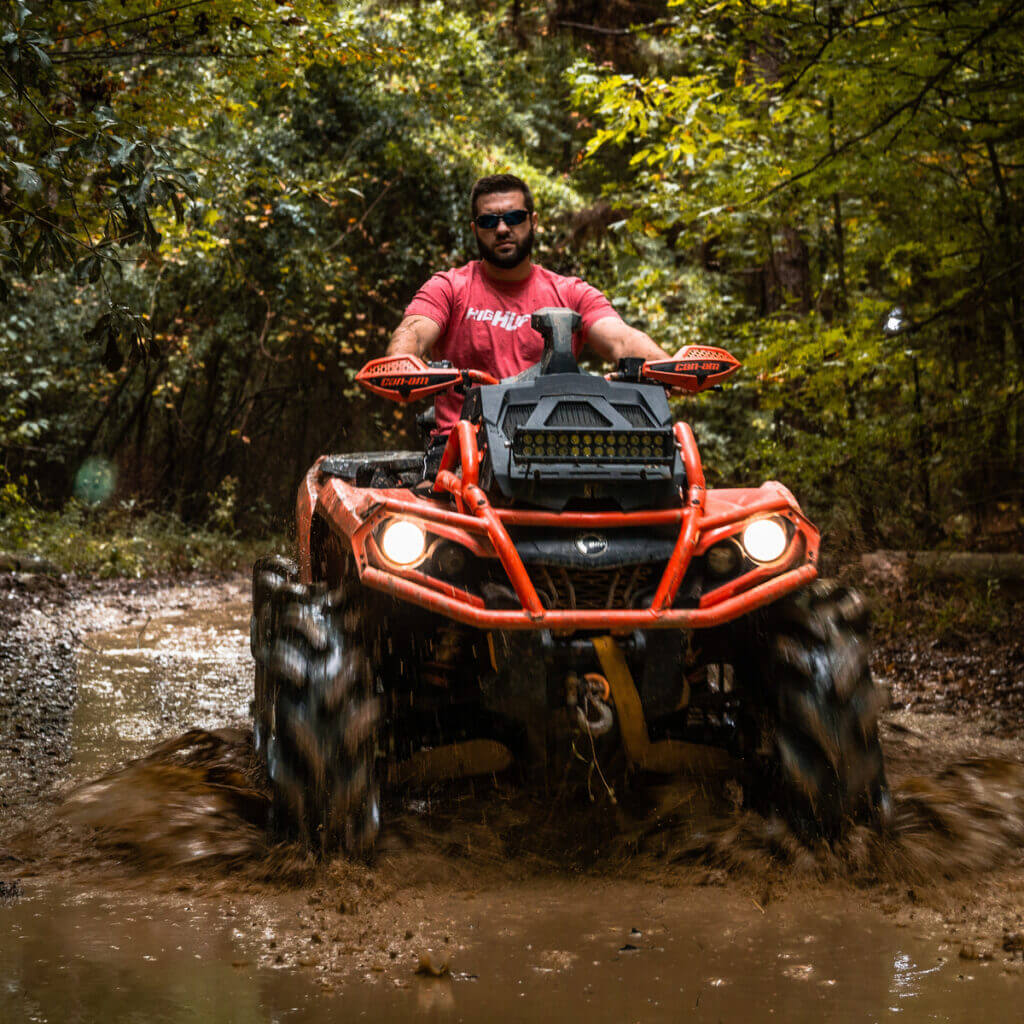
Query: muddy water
553, 951
262, 937
142, 684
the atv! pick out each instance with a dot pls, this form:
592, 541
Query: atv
563, 575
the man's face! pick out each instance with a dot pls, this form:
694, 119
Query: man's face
504, 245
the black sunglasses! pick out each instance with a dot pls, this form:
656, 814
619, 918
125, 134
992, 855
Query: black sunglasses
489, 221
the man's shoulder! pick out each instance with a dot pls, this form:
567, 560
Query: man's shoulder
551, 276
575, 293
566, 282
450, 283
570, 286
458, 275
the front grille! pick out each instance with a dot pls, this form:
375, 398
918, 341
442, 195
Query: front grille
576, 414
634, 415
515, 416
568, 588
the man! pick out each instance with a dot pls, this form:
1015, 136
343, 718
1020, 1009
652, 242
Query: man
478, 316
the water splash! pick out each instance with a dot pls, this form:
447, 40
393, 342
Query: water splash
191, 800
966, 818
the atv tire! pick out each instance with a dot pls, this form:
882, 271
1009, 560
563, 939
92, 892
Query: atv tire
269, 574
821, 710
322, 718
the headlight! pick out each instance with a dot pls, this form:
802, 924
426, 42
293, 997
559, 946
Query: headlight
403, 542
764, 540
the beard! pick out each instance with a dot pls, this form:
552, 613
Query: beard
512, 259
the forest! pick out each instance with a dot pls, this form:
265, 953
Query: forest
213, 213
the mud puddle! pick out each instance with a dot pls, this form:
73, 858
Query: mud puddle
545, 951
162, 899
141, 684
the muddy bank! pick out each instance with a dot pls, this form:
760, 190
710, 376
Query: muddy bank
37, 690
976, 676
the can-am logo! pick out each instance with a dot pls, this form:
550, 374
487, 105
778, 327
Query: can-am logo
591, 544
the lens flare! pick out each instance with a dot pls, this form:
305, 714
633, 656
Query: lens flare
95, 480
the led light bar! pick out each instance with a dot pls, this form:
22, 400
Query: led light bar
573, 445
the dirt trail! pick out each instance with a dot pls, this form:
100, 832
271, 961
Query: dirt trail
184, 820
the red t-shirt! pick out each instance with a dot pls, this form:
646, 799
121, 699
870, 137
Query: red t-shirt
485, 324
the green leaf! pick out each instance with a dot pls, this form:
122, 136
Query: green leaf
27, 178
41, 55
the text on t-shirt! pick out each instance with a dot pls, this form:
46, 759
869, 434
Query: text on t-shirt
508, 319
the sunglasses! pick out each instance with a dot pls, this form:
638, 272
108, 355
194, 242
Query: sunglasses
489, 221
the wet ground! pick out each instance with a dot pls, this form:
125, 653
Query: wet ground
137, 883
549, 950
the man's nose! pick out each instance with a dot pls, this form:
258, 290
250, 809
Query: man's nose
502, 228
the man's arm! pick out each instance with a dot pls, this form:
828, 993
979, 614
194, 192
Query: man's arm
613, 339
415, 335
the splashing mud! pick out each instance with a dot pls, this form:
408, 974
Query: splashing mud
967, 818
196, 799
190, 801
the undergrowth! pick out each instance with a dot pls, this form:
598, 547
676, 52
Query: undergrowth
123, 539
947, 611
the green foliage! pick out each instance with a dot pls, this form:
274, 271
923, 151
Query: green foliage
223, 510
946, 611
16, 515
213, 214
329, 185
121, 539
830, 163
97, 101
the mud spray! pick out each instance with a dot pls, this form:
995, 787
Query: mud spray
198, 799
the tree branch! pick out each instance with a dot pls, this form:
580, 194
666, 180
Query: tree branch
631, 31
110, 55
914, 328
61, 231
914, 103
49, 124
840, 30
132, 21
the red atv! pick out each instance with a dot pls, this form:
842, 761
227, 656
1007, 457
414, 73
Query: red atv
563, 572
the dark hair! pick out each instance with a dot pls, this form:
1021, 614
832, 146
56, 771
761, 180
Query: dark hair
499, 183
